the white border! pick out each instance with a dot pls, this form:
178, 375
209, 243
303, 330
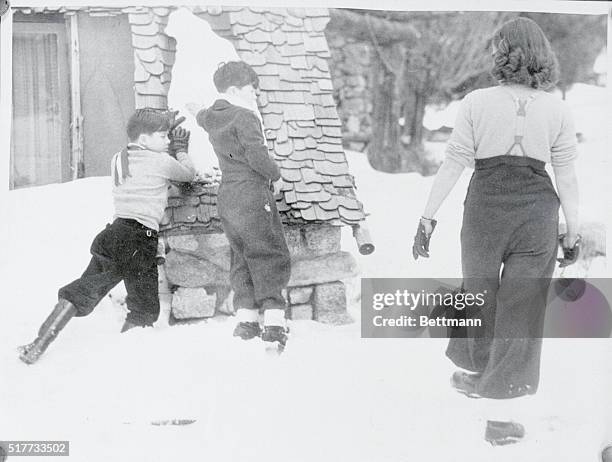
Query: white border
553, 6
6, 99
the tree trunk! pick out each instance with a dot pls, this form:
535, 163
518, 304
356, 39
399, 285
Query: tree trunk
384, 149
416, 124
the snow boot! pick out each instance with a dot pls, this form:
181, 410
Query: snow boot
247, 330
275, 337
55, 322
500, 433
465, 383
275, 331
247, 325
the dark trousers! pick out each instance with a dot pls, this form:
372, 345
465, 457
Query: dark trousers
510, 221
124, 250
260, 263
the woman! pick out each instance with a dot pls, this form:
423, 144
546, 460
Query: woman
510, 220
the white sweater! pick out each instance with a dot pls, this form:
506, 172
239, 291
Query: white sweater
143, 195
486, 124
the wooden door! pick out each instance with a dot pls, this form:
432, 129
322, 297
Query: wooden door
40, 141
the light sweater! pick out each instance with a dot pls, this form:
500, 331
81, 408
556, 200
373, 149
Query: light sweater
487, 120
143, 195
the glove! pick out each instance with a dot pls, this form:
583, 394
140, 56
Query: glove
421, 240
174, 122
179, 141
570, 254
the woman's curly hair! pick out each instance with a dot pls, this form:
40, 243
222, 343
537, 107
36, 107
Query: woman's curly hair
523, 55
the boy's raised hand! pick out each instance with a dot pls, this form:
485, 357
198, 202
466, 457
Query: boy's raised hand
179, 141
174, 122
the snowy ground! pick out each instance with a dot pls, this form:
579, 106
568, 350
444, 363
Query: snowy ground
331, 397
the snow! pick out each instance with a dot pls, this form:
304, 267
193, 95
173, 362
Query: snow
199, 52
331, 396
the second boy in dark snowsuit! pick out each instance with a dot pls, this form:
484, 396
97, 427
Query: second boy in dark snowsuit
260, 262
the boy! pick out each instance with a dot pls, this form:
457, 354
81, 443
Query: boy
260, 263
126, 249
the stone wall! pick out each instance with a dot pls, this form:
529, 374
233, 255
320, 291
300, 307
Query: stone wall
197, 268
352, 76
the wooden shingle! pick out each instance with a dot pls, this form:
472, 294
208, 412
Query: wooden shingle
269, 82
247, 17
325, 215
313, 176
293, 164
293, 50
161, 11
140, 73
328, 122
258, 36
267, 69
342, 181
308, 214
155, 68
299, 112
349, 214
332, 131
315, 44
311, 143
140, 19
294, 86
302, 187
271, 108
286, 97
298, 62
348, 202
290, 196
330, 140
330, 168
272, 121
281, 134
312, 154
328, 147
292, 175
300, 205
331, 204
149, 55
336, 157
273, 56
283, 149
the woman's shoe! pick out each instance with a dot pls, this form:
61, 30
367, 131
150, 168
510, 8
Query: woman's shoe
606, 454
465, 383
500, 433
